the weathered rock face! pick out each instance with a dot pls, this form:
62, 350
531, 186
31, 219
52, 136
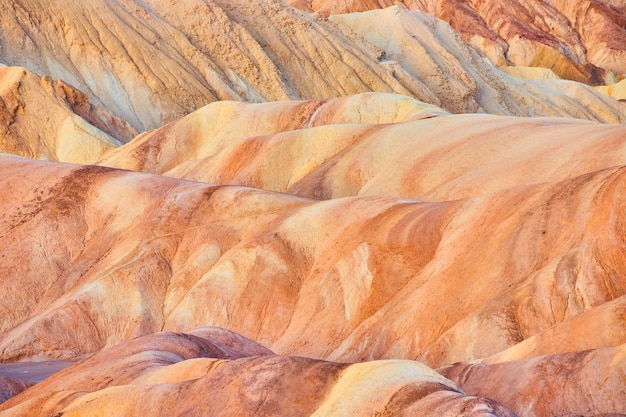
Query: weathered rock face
343, 228
218, 373
517, 252
46, 119
277, 268
429, 49
588, 382
153, 61
602, 28
327, 149
576, 39
151, 65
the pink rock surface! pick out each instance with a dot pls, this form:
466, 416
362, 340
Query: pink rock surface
277, 267
298, 257
218, 373
588, 383
574, 38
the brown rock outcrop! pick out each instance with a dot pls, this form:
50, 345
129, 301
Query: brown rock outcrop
173, 374
602, 28
580, 40
45, 119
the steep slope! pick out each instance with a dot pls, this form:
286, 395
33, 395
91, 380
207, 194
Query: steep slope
461, 16
576, 39
371, 144
602, 28
347, 279
46, 119
151, 62
588, 382
218, 373
465, 83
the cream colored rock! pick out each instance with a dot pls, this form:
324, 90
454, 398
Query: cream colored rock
199, 374
150, 65
616, 90
45, 119
371, 144
580, 40
219, 127
151, 62
531, 73
429, 49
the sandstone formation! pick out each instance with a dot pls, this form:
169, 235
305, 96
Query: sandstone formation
589, 383
150, 65
532, 73
45, 119
602, 28
276, 267
218, 373
383, 274
580, 40
617, 90
213, 207
326, 149
464, 83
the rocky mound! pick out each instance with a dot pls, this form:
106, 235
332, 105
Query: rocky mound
10, 387
580, 40
218, 373
298, 257
150, 64
589, 383
277, 268
371, 144
45, 119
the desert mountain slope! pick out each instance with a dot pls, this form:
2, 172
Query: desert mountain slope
431, 50
574, 38
370, 144
240, 208
199, 374
277, 268
589, 383
50, 120
151, 65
